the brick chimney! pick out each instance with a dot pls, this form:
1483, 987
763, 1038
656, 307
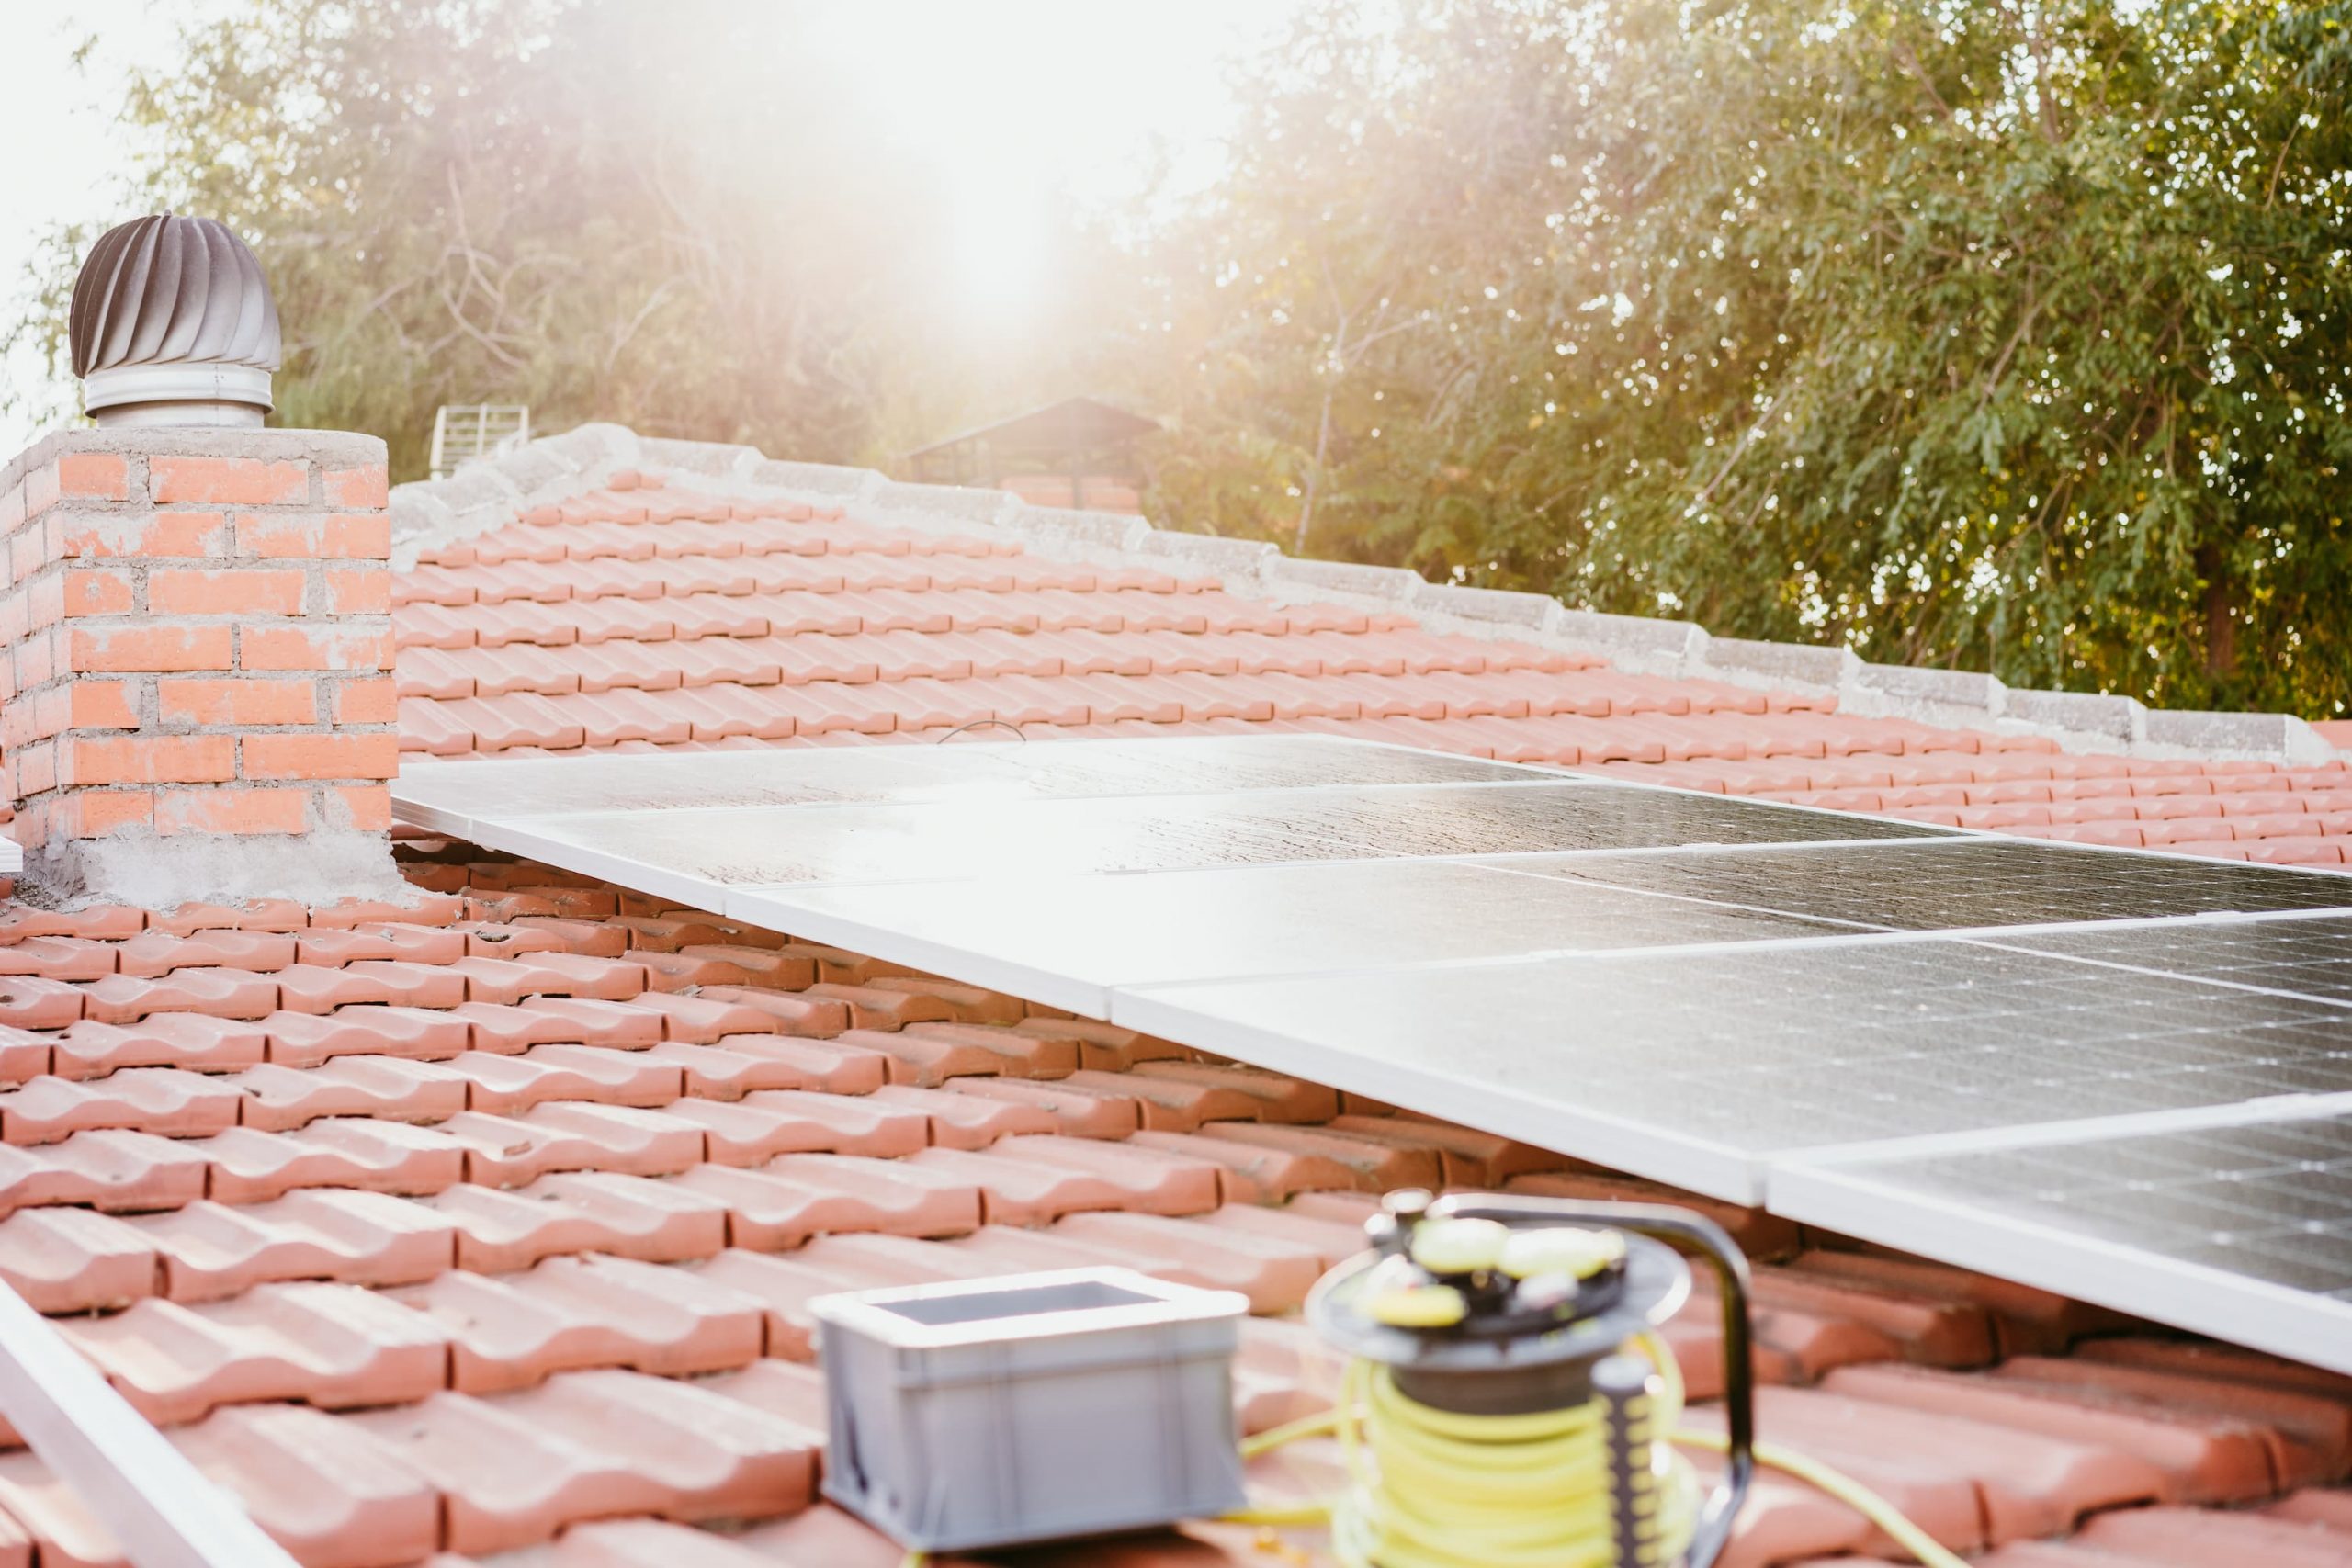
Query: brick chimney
198, 693
198, 697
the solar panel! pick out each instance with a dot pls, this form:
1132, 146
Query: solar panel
2307, 956
1727, 995
1962, 882
1766, 1050
1068, 940
453, 796
2242, 1229
1016, 839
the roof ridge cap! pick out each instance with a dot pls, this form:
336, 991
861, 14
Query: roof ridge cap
489, 492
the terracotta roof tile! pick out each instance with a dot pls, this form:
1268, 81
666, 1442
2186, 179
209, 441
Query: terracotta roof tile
122, 1172
330, 1346
545, 636
2196, 1538
515, 1468
532, 1247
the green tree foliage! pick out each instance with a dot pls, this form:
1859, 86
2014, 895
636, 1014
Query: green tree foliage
672, 216
2006, 334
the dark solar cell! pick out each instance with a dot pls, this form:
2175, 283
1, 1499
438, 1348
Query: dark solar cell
1014, 838
1798, 1045
1235, 921
1966, 883
976, 768
2272, 1200
2310, 958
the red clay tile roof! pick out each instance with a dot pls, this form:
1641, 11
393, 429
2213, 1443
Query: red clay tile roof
483, 1232
442, 1235
676, 611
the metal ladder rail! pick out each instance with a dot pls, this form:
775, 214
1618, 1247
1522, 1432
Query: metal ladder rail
163, 1511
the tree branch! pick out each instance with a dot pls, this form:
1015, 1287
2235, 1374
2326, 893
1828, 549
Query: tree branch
1919, 72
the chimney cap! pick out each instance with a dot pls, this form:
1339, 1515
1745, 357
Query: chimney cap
173, 324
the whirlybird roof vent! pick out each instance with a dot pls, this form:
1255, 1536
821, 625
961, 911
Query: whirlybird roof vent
173, 324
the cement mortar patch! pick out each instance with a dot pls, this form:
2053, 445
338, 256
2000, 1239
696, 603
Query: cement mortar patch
712, 457
829, 479
323, 866
972, 505
1244, 558
590, 447
1108, 530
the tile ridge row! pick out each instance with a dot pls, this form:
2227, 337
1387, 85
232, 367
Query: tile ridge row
489, 494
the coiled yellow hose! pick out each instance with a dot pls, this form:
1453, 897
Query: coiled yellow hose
1431, 1489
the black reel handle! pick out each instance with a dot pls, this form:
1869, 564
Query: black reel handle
1693, 1234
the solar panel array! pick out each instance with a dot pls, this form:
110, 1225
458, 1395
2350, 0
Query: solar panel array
2018, 1056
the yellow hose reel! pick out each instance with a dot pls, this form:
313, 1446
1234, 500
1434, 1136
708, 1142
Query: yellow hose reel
1508, 1404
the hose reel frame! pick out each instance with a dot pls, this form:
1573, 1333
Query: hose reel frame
1555, 1367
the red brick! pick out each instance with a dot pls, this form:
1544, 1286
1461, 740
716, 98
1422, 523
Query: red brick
231, 811
361, 646
12, 509
316, 537
233, 482
366, 806
102, 704
95, 813
34, 718
150, 648
95, 476
359, 590
236, 702
36, 769
94, 592
248, 591
44, 600
27, 553
355, 487
36, 660
320, 756
366, 701
147, 759
97, 534
41, 490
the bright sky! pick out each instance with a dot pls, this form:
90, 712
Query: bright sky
1030, 98
62, 160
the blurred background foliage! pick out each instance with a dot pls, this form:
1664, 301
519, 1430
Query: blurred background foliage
1998, 335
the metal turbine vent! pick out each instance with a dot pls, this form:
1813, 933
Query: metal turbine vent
173, 324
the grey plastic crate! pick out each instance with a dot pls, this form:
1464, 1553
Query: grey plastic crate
1031, 1406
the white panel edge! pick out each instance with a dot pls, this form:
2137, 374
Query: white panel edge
775, 909
1696, 1164
2297, 1324
2077, 1130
